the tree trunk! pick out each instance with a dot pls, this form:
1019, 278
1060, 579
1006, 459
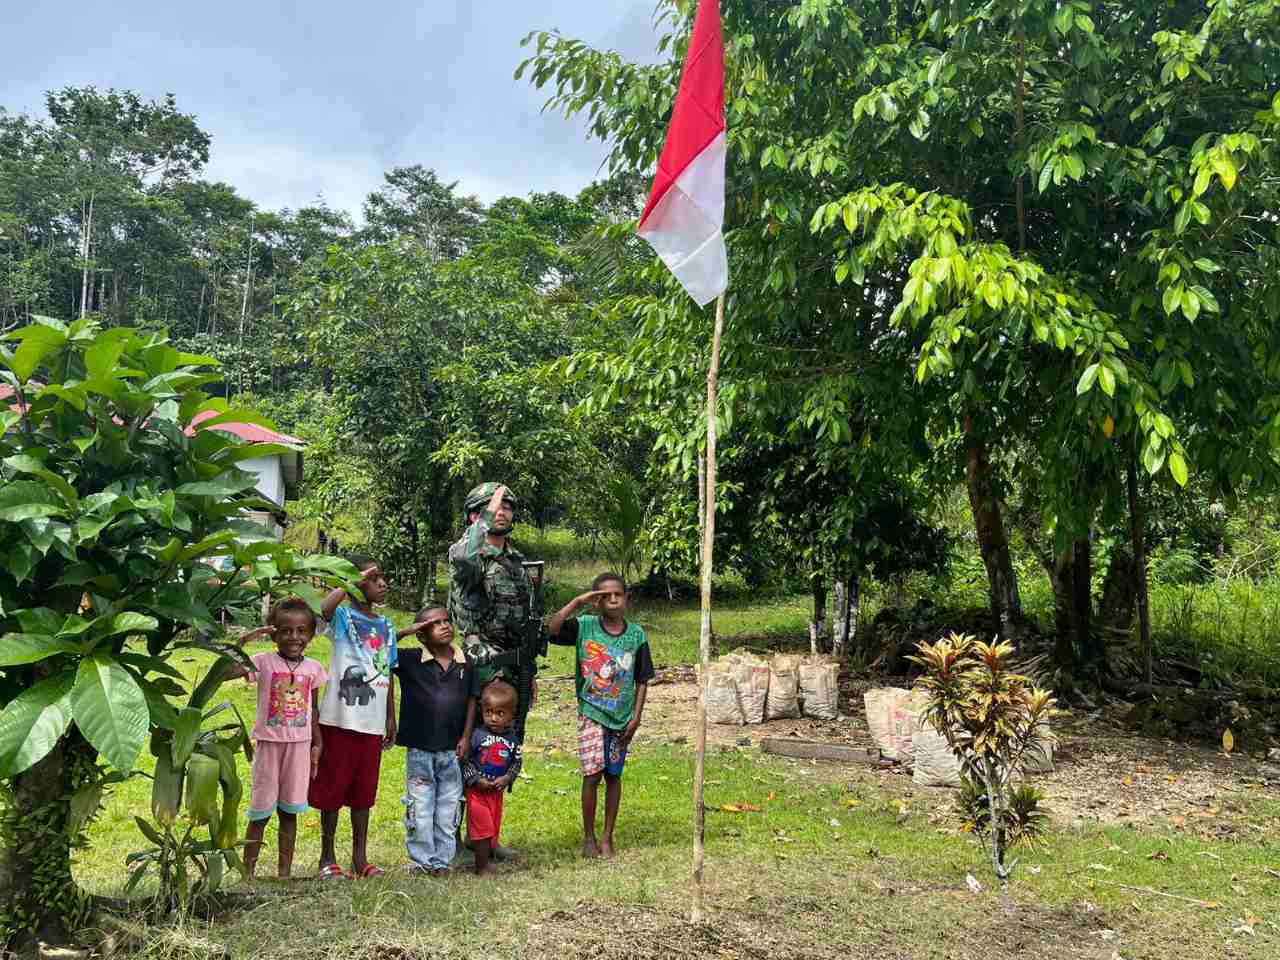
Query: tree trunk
38, 895
1137, 526
819, 622
837, 612
86, 239
1088, 643
1119, 594
244, 309
1006, 602
1062, 579
845, 615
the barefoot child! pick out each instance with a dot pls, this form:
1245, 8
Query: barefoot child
492, 764
614, 668
287, 734
357, 716
437, 704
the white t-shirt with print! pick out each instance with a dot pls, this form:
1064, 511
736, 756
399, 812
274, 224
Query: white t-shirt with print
364, 651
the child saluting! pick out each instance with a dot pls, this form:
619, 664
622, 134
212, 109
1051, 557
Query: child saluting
287, 731
614, 668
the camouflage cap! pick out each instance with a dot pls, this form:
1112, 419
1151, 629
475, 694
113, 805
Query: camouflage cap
480, 496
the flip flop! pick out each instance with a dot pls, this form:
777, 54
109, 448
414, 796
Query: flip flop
369, 872
331, 871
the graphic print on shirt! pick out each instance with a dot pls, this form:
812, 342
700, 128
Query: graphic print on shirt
494, 757
606, 670
368, 644
288, 700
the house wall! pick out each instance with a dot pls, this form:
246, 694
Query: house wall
270, 477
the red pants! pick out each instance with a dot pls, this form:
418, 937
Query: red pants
484, 814
349, 766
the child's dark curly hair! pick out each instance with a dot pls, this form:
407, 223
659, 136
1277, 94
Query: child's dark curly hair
289, 605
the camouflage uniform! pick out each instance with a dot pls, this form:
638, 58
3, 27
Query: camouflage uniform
493, 604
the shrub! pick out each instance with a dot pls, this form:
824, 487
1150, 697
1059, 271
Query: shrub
991, 718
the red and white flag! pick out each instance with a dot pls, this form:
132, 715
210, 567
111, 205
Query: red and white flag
683, 219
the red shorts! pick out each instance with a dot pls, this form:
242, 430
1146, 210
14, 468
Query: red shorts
349, 767
484, 814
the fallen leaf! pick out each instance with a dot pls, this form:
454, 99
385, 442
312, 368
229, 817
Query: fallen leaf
1107, 934
1101, 866
739, 808
851, 801
1158, 855
1228, 741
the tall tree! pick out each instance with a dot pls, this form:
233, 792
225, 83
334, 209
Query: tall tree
1060, 329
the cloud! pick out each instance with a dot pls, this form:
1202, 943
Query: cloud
320, 98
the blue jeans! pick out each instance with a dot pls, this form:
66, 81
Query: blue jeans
432, 805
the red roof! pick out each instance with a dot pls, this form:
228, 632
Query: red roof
249, 432
246, 431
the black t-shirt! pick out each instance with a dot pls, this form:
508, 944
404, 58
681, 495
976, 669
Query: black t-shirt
433, 701
568, 637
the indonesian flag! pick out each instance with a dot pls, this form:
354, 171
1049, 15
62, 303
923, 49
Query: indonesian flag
685, 213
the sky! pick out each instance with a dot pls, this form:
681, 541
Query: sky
319, 99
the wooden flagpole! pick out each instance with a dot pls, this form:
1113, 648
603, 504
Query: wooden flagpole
704, 643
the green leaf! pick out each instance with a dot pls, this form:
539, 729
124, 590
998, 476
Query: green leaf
1182, 218
33, 722
207, 545
1108, 381
84, 804
185, 732
37, 342
111, 710
224, 485
132, 623
150, 832
1172, 298
39, 620
1087, 378
1207, 299
28, 500
1190, 305
20, 648
1178, 467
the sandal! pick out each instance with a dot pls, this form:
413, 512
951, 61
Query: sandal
368, 872
331, 871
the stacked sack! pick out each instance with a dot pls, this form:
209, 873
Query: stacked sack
744, 688
898, 728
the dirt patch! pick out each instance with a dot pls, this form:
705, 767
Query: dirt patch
1104, 774
903, 923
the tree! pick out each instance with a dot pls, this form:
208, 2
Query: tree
111, 506
1059, 336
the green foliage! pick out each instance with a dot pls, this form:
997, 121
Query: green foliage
990, 226
991, 718
196, 784
624, 543
113, 509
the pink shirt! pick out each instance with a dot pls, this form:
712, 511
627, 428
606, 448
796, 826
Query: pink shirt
284, 697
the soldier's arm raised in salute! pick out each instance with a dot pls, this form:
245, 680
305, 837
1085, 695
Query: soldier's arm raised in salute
464, 557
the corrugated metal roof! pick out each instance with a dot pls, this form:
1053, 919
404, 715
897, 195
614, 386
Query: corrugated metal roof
245, 431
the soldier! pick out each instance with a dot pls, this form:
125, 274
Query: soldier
493, 602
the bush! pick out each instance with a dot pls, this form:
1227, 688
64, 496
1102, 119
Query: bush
991, 718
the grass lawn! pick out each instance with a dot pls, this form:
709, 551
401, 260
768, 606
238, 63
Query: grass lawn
836, 861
